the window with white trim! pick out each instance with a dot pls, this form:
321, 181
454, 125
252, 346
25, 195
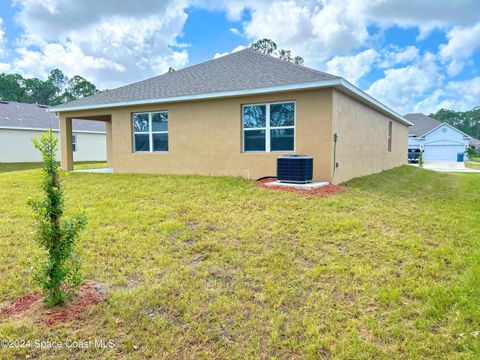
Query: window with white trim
150, 131
269, 127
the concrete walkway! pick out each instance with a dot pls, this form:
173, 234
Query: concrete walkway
98, 171
447, 166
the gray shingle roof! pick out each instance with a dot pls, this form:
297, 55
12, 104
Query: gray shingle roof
21, 115
245, 69
474, 142
421, 124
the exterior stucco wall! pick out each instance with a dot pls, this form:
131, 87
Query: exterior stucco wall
362, 146
205, 137
17, 146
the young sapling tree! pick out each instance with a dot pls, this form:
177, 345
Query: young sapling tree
60, 272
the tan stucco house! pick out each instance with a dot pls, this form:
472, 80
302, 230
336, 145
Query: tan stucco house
235, 115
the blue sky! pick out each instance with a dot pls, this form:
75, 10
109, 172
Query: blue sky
413, 56
208, 33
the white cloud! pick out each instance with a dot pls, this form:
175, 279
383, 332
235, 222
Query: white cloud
402, 88
396, 56
458, 95
111, 45
318, 30
3, 40
314, 31
5, 68
235, 31
238, 48
69, 57
354, 67
423, 13
462, 43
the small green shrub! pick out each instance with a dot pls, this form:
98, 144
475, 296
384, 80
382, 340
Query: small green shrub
420, 159
60, 272
471, 152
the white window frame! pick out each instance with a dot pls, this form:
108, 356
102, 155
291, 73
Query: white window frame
74, 143
150, 131
267, 128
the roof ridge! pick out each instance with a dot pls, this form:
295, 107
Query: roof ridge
248, 49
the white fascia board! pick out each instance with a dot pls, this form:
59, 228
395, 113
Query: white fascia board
372, 101
339, 83
53, 130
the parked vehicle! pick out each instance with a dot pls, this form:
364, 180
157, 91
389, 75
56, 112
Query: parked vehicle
413, 156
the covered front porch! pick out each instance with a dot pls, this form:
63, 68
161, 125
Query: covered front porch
66, 140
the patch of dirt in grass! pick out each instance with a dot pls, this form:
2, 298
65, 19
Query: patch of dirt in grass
218, 274
89, 294
21, 305
163, 312
133, 281
193, 225
323, 191
199, 258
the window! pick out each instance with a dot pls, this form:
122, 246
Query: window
150, 131
269, 127
74, 143
390, 136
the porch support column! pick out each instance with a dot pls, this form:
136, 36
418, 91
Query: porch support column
66, 143
108, 128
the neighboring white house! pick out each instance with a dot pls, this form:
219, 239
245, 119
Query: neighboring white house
20, 122
439, 141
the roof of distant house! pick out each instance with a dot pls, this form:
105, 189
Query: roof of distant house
245, 72
35, 117
474, 142
423, 124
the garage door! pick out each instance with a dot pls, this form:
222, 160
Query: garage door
442, 152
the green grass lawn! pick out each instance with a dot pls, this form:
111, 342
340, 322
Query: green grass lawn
472, 165
212, 267
10, 167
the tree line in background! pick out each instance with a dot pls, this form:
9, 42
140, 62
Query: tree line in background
466, 121
56, 89
269, 47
